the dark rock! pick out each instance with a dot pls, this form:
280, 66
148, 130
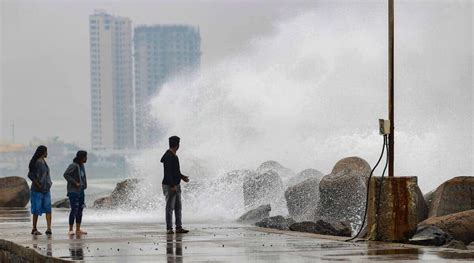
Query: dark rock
266, 188
14, 192
63, 203
422, 207
277, 222
302, 199
256, 214
123, 190
305, 175
342, 193
123, 195
430, 236
455, 244
323, 228
459, 225
103, 202
454, 195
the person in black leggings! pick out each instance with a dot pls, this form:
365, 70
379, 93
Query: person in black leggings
76, 179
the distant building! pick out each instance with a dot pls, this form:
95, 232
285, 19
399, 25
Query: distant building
111, 81
161, 52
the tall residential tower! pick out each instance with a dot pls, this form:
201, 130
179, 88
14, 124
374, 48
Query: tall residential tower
161, 52
111, 81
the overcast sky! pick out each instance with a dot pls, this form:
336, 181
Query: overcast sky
45, 51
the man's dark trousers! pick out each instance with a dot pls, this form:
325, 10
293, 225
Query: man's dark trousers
173, 202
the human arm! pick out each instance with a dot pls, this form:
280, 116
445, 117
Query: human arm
184, 178
34, 179
68, 175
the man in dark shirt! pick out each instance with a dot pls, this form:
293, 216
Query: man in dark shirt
171, 187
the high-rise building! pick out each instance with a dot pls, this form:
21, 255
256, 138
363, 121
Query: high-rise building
111, 81
161, 52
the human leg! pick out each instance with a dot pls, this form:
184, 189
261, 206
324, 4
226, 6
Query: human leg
170, 205
177, 209
74, 204
35, 199
46, 207
79, 216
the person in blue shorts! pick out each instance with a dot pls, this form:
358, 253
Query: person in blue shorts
38, 172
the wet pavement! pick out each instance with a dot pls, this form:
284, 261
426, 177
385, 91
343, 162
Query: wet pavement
206, 242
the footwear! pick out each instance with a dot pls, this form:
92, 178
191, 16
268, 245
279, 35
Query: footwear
181, 230
48, 232
71, 233
36, 232
81, 232
169, 231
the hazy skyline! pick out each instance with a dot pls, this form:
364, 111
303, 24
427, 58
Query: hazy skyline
45, 88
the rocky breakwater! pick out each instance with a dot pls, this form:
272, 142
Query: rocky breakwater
14, 192
323, 228
284, 173
302, 198
265, 187
451, 215
454, 195
255, 215
342, 193
122, 195
457, 226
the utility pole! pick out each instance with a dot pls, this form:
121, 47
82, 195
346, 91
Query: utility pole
391, 104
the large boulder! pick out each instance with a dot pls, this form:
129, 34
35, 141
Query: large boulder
124, 194
305, 175
459, 225
302, 199
63, 203
266, 188
323, 228
14, 192
454, 195
256, 214
342, 193
277, 222
103, 202
284, 173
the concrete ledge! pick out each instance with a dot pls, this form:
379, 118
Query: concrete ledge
12, 252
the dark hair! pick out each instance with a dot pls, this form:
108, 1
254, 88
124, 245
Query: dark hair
79, 155
40, 151
174, 141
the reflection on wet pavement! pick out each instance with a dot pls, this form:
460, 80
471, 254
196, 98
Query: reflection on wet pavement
76, 248
223, 242
174, 255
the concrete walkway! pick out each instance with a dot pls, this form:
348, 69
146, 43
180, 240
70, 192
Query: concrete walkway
225, 242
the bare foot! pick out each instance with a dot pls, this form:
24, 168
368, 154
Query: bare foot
81, 232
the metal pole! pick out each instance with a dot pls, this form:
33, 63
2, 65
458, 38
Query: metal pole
391, 104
